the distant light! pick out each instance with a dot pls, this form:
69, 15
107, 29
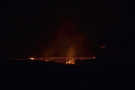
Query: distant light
70, 60
46, 60
94, 57
32, 58
103, 46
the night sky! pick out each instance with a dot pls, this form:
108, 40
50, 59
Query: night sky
33, 24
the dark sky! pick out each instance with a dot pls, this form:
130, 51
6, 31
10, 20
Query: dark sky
31, 24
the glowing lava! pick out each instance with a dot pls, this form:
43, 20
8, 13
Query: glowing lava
68, 42
32, 58
70, 55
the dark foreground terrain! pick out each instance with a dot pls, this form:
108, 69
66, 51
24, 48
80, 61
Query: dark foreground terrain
80, 66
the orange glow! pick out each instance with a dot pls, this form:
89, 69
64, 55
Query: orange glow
70, 60
31, 58
94, 57
70, 55
71, 52
68, 42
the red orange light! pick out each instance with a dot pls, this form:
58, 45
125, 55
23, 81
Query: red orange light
31, 58
94, 57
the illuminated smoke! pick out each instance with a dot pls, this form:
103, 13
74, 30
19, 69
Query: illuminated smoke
68, 41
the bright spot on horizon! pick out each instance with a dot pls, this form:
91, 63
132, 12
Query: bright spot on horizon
32, 58
94, 57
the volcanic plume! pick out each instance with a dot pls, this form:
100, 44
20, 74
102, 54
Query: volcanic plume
68, 41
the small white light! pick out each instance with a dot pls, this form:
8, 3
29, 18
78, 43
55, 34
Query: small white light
31, 58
